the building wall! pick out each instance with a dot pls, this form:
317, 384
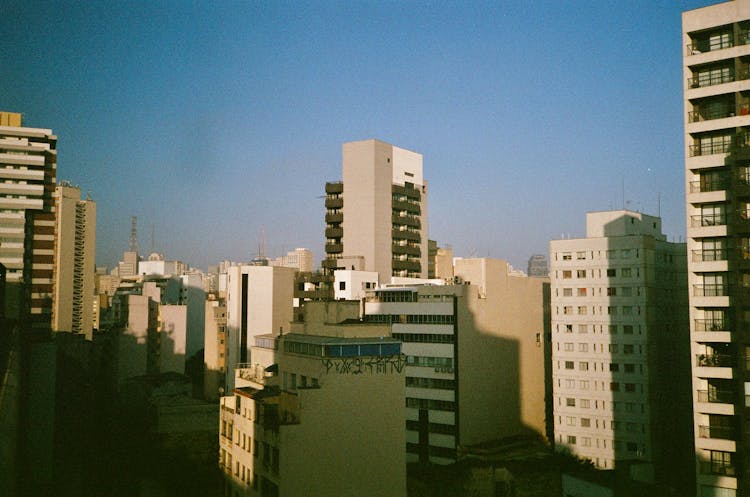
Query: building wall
215, 349
172, 338
352, 285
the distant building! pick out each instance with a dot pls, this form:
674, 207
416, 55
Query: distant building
319, 411
537, 267
128, 266
473, 348
75, 262
378, 212
620, 346
215, 349
354, 285
299, 258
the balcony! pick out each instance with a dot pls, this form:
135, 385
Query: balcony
409, 191
334, 203
708, 185
412, 221
405, 235
710, 255
716, 396
711, 290
334, 217
711, 325
330, 263
714, 360
717, 468
704, 45
334, 248
402, 205
722, 432
702, 220
717, 78
399, 265
334, 232
405, 249
334, 187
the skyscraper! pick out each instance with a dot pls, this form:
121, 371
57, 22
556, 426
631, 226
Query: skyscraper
620, 346
716, 71
75, 254
378, 214
28, 165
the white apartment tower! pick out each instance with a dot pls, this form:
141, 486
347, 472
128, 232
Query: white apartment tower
378, 212
75, 253
619, 346
716, 72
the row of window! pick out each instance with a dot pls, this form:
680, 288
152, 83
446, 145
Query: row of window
410, 318
437, 383
441, 428
584, 366
610, 310
612, 329
629, 426
612, 348
627, 368
290, 381
424, 337
617, 444
430, 362
582, 255
624, 272
625, 291
431, 404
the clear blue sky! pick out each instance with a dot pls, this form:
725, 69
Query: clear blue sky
208, 120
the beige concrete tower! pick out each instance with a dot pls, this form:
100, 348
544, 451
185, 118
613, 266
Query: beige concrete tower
75, 254
379, 212
716, 72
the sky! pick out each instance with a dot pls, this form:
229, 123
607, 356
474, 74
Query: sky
213, 121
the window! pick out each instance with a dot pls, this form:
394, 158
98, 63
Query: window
342, 285
582, 309
568, 347
571, 440
585, 403
570, 421
614, 387
611, 254
567, 292
614, 367
566, 256
613, 329
567, 274
570, 383
627, 310
628, 348
568, 309
630, 368
568, 328
581, 273
612, 310
585, 422
611, 273
586, 441
630, 387
583, 328
569, 365
625, 272
570, 402
580, 256
583, 347
627, 329
613, 348
583, 384
583, 366
581, 292
611, 291
626, 291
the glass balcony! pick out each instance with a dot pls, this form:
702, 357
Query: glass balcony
714, 360
711, 325
723, 432
716, 396
711, 290
700, 220
709, 255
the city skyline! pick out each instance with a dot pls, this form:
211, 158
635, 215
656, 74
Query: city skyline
240, 110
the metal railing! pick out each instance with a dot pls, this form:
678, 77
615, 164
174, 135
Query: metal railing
711, 325
711, 185
717, 468
701, 220
722, 432
716, 396
708, 255
711, 290
714, 360
709, 45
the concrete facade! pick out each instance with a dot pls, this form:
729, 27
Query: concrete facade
75, 260
379, 212
303, 420
619, 345
717, 184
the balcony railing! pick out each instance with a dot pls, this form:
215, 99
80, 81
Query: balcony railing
711, 325
701, 220
709, 114
710, 45
709, 255
722, 432
714, 360
711, 290
716, 396
711, 79
711, 185
717, 468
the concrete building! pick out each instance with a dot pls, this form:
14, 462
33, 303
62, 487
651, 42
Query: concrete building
353, 285
28, 164
378, 212
716, 45
75, 261
215, 349
158, 266
472, 348
299, 258
619, 346
259, 301
303, 418
537, 267
128, 266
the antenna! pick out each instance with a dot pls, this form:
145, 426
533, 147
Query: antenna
153, 228
658, 204
262, 244
133, 234
623, 192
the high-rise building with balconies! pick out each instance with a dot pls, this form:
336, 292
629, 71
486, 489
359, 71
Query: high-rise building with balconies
378, 214
716, 67
28, 165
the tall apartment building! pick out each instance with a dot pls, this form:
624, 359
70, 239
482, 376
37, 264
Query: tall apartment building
259, 301
620, 346
28, 165
300, 258
716, 71
476, 357
378, 212
319, 411
75, 258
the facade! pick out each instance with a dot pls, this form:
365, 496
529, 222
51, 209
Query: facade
378, 212
302, 418
472, 348
619, 346
259, 301
75, 258
537, 267
215, 349
300, 258
28, 164
717, 181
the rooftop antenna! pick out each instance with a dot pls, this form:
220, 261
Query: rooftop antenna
623, 192
133, 234
658, 204
153, 229
262, 244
